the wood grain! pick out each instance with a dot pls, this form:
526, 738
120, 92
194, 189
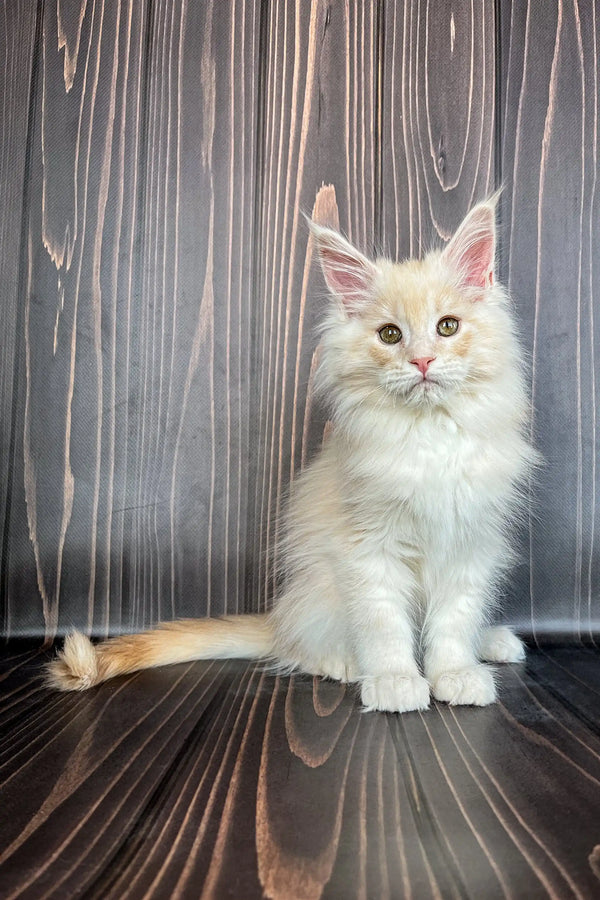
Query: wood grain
218, 780
19, 56
438, 120
158, 352
550, 164
130, 375
161, 296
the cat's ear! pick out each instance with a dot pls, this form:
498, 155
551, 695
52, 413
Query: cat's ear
472, 250
349, 275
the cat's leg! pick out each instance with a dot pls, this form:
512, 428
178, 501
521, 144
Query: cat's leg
332, 655
382, 631
310, 630
498, 644
451, 637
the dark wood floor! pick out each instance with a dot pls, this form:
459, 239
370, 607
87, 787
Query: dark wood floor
219, 780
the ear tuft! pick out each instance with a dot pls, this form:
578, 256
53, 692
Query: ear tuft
349, 275
472, 250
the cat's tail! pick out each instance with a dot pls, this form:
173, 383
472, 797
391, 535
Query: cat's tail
81, 664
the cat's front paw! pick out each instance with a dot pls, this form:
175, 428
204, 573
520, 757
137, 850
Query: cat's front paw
472, 686
500, 645
336, 668
394, 693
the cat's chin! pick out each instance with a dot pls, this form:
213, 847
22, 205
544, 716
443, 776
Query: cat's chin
419, 393
425, 393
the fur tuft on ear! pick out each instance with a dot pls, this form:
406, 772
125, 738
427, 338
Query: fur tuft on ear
472, 250
349, 275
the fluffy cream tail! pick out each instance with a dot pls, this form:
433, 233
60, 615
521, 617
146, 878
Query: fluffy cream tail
81, 664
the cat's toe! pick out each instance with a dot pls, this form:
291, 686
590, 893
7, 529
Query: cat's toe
500, 645
336, 668
394, 693
472, 686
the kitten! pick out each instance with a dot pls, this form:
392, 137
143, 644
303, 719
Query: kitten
398, 531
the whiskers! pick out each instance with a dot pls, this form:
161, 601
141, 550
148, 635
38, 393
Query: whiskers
375, 390
385, 396
396, 388
398, 383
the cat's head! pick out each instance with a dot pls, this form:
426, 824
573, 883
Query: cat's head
423, 332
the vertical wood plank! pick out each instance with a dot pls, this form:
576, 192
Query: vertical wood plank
191, 502
438, 119
78, 232
18, 62
550, 164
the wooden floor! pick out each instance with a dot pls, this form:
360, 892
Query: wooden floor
220, 780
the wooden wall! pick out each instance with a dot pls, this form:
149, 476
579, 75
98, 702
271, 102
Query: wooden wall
158, 293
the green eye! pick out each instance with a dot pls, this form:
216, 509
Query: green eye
390, 334
447, 326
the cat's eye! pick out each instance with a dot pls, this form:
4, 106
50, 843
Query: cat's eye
447, 326
390, 334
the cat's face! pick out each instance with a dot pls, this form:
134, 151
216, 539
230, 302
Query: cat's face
420, 338
420, 332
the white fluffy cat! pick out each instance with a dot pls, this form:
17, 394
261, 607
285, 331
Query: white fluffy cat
398, 531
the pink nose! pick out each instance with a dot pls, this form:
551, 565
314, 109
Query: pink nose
423, 364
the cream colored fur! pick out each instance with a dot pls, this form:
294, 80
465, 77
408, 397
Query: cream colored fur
398, 532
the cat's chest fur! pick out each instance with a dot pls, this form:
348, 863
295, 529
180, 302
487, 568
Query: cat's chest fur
430, 470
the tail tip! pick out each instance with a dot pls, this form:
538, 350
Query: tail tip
76, 666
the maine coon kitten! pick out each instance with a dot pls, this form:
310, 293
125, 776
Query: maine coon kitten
398, 531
